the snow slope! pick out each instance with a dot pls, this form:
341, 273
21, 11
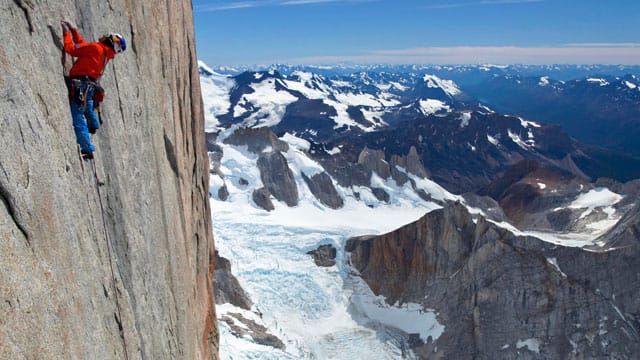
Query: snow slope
267, 96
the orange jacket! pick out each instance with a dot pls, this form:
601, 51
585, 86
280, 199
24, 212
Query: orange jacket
92, 56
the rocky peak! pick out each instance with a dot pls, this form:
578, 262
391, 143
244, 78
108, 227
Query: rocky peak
324, 255
374, 160
399, 263
412, 163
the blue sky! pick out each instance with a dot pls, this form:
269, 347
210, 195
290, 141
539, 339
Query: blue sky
249, 32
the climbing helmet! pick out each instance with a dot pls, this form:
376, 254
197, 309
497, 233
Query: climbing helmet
117, 42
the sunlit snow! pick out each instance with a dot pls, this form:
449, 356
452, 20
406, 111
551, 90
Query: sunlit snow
464, 118
449, 87
432, 106
298, 143
215, 95
527, 123
272, 103
596, 198
374, 116
526, 145
321, 313
492, 140
601, 82
318, 312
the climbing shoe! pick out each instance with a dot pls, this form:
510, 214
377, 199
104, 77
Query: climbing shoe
87, 155
92, 130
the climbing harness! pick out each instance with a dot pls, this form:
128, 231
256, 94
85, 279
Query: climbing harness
119, 319
83, 89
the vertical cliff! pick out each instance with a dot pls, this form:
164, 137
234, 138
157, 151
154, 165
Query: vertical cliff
500, 296
121, 267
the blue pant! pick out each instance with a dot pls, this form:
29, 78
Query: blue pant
80, 111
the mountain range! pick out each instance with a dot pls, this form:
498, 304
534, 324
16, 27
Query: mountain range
459, 135
509, 188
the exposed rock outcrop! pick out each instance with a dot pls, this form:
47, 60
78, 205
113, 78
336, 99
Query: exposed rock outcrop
278, 178
538, 198
262, 198
412, 163
507, 297
322, 188
148, 226
380, 194
215, 156
626, 233
227, 288
250, 328
223, 193
324, 255
257, 140
373, 160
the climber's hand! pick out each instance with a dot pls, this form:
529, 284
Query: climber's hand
65, 27
69, 25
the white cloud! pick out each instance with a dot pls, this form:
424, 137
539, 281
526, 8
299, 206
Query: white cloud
622, 54
305, 2
483, 2
228, 6
263, 3
606, 45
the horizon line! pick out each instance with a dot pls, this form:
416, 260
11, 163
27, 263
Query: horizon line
575, 53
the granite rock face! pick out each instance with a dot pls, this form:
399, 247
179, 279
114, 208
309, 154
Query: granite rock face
505, 297
149, 218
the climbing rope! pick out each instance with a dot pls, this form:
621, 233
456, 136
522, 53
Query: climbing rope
113, 276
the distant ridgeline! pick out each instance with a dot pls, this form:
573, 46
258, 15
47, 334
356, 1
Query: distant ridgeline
461, 138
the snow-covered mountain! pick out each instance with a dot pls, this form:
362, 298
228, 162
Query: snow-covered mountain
597, 104
301, 161
317, 108
465, 144
598, 109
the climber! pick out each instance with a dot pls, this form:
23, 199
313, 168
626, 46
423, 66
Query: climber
85, 93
